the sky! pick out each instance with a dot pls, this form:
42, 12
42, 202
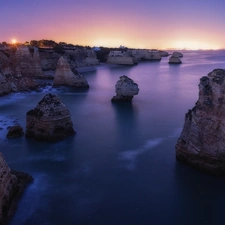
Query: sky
161, 24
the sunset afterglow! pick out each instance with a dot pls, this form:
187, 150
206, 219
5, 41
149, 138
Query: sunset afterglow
140, 24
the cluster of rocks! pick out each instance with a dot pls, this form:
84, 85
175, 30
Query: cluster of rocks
12, 184
21, 67
202, 141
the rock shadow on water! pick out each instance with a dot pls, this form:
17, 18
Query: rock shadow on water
198, 190
126, 122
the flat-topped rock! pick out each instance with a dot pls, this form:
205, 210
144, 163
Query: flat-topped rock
202, 141
120, 58
49, 120
64, 76
125, 89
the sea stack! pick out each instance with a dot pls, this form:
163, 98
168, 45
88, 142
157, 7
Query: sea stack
12, 184
202, 141
174, 60
125, 89
64, 76
50, 120
177, 54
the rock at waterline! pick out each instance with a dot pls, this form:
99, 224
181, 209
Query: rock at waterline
125, 89
12, 184
202, 141
174, 60
15, 132
50, 120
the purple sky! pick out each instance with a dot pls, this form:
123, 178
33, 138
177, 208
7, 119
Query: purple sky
135, 23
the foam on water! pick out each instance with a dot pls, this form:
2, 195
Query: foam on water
130, 156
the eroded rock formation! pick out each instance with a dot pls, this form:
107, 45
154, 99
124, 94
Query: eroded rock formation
28, 63
5, 86
125, 89
177, 54
50, 120
174, 60
202, 141
12, 184
120, 58
65, 76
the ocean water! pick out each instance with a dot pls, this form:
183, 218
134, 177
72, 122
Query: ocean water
120, 167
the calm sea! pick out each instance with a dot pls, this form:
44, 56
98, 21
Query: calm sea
120, 167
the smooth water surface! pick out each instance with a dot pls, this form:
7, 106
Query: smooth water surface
120, 167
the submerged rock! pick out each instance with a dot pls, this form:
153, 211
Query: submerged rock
125, 89
65, 76
15, 132
12, 184
50, 120
202, 141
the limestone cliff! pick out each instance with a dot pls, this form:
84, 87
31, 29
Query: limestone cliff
120, 58
125, 89
50, 120
65, 76
202, 141
28, 64
12, 184
5, 86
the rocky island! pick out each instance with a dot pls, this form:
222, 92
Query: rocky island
50, 120
125, 89
202, 141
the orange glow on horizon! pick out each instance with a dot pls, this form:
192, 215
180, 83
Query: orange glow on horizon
14, 41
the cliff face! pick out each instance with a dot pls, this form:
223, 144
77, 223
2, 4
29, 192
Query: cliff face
5, 87
125, 89
65, 76
50, 120
120, 58
202, 141
27, 63
11, 186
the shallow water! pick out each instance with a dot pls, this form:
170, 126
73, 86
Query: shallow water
120, 167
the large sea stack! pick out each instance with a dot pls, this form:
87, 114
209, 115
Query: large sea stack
65, 76
125, 89
50, 120
12, 184
202, 141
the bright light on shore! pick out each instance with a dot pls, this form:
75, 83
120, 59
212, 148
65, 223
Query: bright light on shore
14, 41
